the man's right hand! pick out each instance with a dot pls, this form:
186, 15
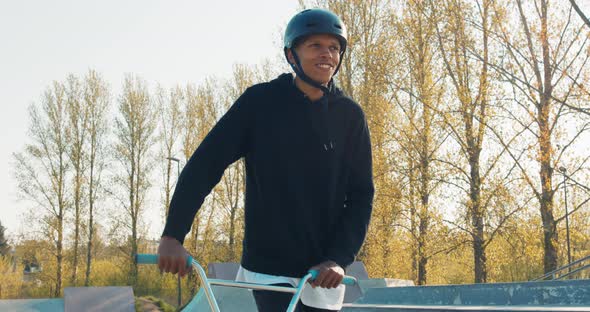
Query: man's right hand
172, 257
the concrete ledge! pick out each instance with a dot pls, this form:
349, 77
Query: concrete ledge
223, 270
384, 282
89, 299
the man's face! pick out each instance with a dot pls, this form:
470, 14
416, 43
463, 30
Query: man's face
319, 55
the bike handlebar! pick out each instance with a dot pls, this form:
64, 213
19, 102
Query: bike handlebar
153, 259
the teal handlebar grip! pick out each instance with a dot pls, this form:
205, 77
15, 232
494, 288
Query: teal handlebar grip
347, 280
153, 259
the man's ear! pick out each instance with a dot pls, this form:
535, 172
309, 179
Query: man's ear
290, 57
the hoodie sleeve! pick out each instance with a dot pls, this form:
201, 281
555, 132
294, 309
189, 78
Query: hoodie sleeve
354, 222
223, 145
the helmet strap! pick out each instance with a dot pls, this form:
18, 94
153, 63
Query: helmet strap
339, 63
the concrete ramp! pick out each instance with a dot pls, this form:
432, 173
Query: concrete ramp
228, 299
32, 305
91, 299
358, 270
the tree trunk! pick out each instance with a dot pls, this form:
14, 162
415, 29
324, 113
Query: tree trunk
59, 258
76, 225
546, 153
424, 215
90, 217
422, 257
550, 236
413, 218
90, 235
477, 215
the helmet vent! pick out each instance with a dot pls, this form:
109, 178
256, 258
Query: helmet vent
310, 24
338, 26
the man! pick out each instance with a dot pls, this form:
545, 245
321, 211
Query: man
309, 186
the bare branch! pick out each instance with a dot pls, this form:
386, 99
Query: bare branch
580, 13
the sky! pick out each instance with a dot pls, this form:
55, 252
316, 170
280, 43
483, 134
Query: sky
166, 42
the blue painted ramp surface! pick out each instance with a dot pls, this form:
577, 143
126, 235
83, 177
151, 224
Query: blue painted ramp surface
32, 305
527, 296
573, 293
462, 308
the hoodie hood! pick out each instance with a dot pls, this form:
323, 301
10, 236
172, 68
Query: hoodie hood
319, 110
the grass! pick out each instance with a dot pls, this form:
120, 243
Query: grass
162, 306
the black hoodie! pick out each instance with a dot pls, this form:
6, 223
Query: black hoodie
309, 186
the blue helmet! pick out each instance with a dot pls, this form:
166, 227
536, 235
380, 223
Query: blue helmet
314, 21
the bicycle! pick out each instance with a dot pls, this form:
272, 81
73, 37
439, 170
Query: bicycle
207, 282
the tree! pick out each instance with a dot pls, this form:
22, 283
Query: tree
420, 134
97, 103
4, 247
468, 120
200, 111
545, 61
134, 129
41, 171
171, 118
473, 110
76, 137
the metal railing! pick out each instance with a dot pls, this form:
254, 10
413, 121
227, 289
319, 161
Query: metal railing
557, 274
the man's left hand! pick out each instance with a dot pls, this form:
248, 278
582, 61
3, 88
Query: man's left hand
330, 275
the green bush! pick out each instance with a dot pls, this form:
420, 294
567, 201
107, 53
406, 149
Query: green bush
162, 306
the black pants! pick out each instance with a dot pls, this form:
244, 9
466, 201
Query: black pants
274, 301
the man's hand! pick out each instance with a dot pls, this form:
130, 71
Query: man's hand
172, 257
330, 275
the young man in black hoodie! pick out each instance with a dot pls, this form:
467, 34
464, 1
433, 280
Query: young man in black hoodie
309, 186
